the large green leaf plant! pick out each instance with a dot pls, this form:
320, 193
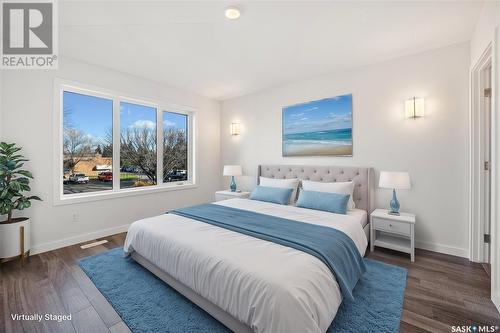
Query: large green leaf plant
14, 181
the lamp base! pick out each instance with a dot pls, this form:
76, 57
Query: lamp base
393, 213
394, 204
232, 186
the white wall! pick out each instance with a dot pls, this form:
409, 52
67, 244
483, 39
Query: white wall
485, 29
433, 149
484, 34
27, 120
495, 225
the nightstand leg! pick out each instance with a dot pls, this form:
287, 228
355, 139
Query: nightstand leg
412, 243
372, 238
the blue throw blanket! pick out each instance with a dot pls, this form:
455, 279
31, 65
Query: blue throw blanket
333, 247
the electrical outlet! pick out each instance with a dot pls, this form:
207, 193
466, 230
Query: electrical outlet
75, 217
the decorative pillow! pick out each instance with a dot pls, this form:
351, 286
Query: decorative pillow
292, 183
272, 194
328, 202
336, 187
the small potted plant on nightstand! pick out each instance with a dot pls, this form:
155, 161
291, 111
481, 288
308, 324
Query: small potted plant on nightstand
14, 181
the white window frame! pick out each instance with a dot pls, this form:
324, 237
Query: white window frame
60, 198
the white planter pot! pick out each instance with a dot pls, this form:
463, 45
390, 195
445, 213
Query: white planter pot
10, 238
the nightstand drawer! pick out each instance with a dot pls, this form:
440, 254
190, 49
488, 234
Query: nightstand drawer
391, 226
220, 197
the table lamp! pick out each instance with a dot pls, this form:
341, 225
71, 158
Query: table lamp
394, 181
232, 170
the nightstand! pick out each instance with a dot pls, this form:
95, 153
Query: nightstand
224, 195
396, 232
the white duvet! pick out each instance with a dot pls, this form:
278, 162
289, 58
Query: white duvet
270, 287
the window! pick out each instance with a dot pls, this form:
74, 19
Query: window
110, 145
87, 152
175, 147
138, 155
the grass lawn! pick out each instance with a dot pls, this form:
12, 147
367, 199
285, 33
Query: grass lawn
128, 176
123, 176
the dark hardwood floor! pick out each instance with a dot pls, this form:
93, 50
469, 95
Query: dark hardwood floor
441, 291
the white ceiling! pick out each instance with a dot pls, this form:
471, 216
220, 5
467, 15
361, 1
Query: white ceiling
192, 45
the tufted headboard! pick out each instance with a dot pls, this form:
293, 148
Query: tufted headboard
362, 177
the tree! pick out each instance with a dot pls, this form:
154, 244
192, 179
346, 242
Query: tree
98, 150
175, 150
138, 149
107, 150
76, 146
13, 181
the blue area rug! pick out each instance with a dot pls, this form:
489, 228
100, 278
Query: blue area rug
147, 304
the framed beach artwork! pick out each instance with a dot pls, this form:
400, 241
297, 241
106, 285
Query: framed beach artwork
318, 128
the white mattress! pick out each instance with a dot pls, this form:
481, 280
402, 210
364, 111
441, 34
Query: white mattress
269, 287
360, 215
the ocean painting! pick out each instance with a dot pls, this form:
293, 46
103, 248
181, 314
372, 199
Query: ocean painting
318, 128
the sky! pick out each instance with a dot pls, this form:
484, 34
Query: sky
94, 115
176, 120
90, 115
136, 116
326, 114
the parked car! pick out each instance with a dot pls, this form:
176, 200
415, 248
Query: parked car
79, 178
66, 173
105, 176
176, 175
129, 169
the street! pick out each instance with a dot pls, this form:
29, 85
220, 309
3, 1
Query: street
94, 185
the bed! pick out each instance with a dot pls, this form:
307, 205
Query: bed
250, 284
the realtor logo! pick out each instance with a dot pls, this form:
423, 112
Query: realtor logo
29, 31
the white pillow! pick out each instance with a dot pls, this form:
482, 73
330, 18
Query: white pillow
335, 187
292, 183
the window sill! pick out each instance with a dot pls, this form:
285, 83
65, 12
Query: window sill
97, 196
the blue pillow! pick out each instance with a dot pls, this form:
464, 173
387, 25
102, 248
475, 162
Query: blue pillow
329, 202
272, 194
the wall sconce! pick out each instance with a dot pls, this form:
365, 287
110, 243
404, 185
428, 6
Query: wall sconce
235, 128
414, 107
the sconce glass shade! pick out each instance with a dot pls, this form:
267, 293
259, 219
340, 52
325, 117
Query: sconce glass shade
235, 129
414, 107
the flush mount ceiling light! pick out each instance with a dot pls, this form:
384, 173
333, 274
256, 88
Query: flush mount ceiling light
232, 13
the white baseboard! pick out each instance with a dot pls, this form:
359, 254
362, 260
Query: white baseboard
451, 250
40, 248
495, 297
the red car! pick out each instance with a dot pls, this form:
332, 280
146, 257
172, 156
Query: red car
105, 176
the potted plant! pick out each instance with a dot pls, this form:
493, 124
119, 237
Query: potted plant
14, 181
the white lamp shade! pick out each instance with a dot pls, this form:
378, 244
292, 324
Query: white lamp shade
232, 170
394, 180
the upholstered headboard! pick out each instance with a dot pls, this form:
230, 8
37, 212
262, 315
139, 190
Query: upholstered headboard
362, 177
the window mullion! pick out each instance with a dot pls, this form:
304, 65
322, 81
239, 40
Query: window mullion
116, 144
159, 145
191, 148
